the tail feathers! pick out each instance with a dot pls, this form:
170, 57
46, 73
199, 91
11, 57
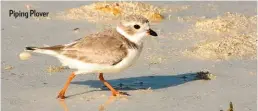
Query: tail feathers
30, 48
42, 50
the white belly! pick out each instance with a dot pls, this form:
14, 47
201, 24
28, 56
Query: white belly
85, 68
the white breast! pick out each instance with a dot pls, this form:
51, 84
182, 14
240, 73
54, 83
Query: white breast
133, 55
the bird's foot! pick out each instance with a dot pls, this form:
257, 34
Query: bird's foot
118, 93
61, 95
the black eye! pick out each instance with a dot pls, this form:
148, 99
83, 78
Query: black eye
136, 26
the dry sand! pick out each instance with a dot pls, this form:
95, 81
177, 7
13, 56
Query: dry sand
164, 78
110, 11
230, 36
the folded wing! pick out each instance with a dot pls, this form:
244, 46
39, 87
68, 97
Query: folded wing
100, 48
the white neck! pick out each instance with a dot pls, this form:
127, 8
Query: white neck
136, 38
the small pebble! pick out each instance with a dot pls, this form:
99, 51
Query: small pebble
8, 67
24, 56
76, 30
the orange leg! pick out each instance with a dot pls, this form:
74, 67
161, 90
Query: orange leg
101, 78
62, 92
114, 92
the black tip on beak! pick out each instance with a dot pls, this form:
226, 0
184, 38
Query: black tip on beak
151, 32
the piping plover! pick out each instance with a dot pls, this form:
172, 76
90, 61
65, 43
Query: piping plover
109, 51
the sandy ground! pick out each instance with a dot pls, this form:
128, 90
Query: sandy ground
168, 79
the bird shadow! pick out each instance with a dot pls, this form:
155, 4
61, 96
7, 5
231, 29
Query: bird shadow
143, 82
135, 83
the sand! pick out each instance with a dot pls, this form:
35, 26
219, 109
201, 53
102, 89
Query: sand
164, 77
230, 36
110, 11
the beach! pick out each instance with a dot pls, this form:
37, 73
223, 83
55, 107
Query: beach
218, 37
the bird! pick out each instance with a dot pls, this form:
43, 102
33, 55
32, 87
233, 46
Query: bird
109, 51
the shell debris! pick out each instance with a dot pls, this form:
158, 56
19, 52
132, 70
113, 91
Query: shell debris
8, 67
53, 69
205, 75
